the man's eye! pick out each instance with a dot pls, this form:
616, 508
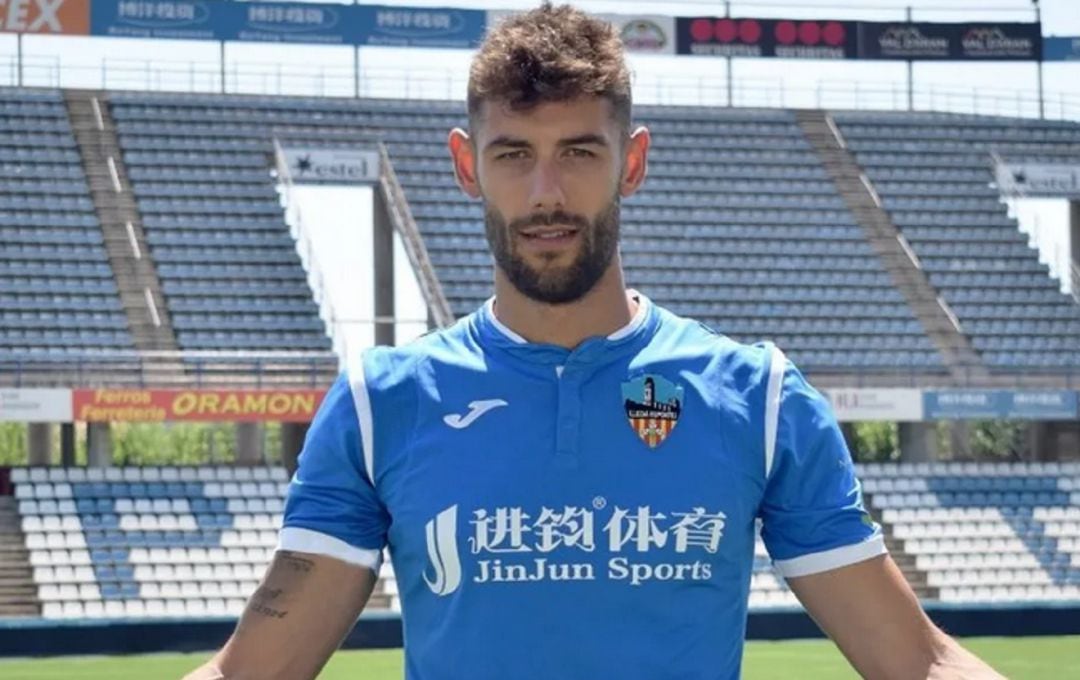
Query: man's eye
511, 155
580, 153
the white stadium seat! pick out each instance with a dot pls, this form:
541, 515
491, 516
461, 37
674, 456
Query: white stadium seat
175, 608
94, 609
114, 609
134, 608
187, 474
216, 607
89, 591
52, 610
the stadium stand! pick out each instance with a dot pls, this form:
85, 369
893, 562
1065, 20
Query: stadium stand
933, 174
750, 236
58, 297
983, 532
150, 542
739, 225
230, 273
794, 266
153, 542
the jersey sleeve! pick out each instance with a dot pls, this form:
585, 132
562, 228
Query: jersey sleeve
332, 507
813, 518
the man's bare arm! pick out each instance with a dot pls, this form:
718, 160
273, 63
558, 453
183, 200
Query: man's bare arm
294, 621
872, 615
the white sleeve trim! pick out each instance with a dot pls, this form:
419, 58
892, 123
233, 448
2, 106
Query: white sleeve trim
306, 540
362, 402
772, 406
832, 559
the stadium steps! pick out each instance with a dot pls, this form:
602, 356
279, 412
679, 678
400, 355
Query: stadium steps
125, 242
940, 323
18, 593
916, 578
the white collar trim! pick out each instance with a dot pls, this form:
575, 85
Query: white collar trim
635, 323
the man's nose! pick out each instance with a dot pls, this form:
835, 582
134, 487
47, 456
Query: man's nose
547, 192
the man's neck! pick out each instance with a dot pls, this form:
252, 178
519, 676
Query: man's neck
602, 311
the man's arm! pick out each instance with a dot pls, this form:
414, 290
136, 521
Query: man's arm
871, 613
294, 621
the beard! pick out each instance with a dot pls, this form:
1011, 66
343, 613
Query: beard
555, 285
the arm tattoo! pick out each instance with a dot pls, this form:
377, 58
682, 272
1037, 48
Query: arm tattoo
295, 562
265, 600
262, 600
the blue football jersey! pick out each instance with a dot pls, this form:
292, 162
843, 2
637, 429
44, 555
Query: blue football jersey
576, 514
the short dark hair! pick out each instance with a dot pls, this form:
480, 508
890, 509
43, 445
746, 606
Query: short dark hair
550, 54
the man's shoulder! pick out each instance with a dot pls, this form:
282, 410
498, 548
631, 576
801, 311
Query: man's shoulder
689, 338
386, 366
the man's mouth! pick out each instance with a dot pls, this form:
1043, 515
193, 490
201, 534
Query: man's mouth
548, 233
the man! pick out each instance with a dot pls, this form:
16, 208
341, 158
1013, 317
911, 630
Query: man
568, 480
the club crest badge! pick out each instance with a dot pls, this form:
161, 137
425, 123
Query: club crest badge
653, 405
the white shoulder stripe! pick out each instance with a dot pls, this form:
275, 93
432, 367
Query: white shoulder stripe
362, 402
318, 543
772, 406
815, 563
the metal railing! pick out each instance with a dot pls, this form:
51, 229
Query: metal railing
1074, 281
171, 369
306, 249
405, 225
649, 87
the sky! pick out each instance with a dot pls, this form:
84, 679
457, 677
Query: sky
994, 88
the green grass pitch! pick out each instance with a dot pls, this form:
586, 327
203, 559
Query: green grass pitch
1031, 658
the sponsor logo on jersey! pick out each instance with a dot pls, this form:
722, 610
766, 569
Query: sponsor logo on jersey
591, 542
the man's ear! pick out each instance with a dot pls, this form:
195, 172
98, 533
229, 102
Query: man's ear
464, 159
635, 161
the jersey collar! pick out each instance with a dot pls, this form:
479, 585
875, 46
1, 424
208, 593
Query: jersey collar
494, 334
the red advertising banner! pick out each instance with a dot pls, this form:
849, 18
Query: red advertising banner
138, 405
60, 17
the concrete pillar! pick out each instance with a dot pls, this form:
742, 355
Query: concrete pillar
1067, 440
918, 442
249, 444
382, 255
39, 443
292, 443
960, 439
1074, 236
1035, 440
98, 445
67, 444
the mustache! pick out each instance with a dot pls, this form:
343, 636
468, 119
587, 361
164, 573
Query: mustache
544, 220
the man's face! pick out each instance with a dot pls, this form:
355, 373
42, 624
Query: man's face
551, 180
